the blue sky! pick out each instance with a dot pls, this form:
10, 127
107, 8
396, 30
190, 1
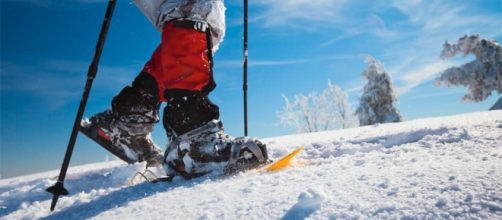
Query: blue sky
296, 46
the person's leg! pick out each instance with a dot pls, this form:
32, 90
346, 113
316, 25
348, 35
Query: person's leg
183, 68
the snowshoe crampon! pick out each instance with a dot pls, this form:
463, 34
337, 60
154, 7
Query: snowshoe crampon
148, 176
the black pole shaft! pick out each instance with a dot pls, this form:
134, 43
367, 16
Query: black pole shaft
245, 85
58, 188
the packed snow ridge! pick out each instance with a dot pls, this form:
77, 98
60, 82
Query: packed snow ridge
449, 167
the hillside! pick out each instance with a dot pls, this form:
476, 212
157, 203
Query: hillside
429, 168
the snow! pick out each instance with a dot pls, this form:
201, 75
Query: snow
447, 167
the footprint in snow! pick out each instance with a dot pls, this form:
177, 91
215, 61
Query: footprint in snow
308, 202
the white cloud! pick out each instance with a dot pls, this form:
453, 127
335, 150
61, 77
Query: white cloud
257, 63
416, 77
435, 93
371, 24
254, 63
288, 12
343, 18
411, 45
441, 16
415, 59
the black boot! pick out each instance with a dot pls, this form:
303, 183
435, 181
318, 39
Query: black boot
188, 111
125, 130
198, 140
209, 148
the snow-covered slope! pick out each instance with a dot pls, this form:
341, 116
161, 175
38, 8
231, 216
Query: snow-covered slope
430, 168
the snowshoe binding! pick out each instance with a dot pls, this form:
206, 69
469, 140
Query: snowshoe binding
208, 148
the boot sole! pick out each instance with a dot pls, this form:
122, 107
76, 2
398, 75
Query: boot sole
91, 132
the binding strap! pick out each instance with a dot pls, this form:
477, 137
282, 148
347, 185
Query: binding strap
188, 24
251, 146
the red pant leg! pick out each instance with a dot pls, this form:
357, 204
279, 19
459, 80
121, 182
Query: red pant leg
181, 62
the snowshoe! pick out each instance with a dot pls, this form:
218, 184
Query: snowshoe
208, 148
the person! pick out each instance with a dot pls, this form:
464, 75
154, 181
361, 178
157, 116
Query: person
180, 73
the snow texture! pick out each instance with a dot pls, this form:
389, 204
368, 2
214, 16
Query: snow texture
327, 110
378, 98
436, 168
481, 76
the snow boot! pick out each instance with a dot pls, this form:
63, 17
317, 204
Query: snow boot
125, 129
129, 142
208, 148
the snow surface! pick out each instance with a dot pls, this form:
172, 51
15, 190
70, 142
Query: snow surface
449, 167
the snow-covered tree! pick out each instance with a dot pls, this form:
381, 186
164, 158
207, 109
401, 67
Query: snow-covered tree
378, 98
481, 76
318, 112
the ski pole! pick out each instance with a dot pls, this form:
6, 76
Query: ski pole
245, 73
58, 188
